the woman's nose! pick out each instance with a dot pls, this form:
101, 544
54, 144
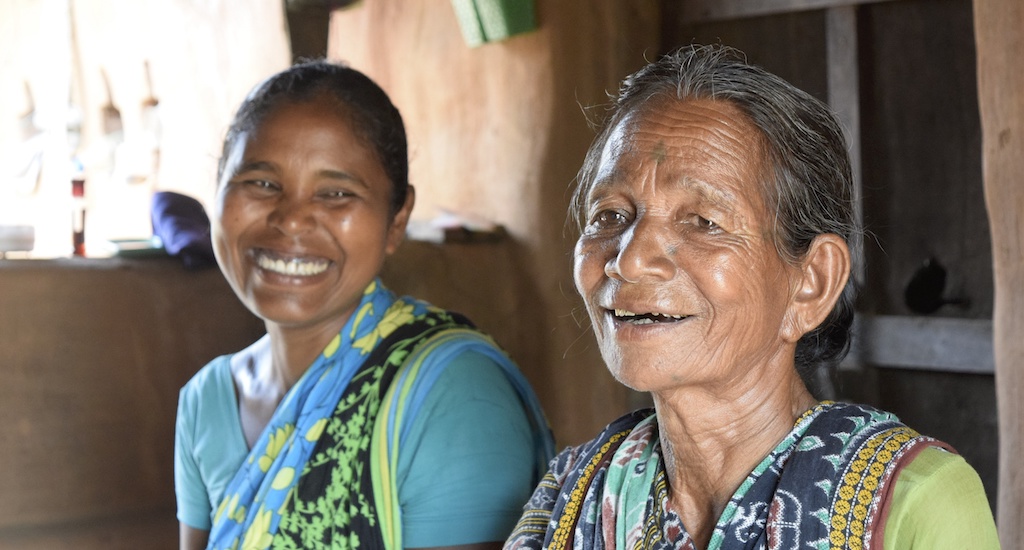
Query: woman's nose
292, 217
644, 253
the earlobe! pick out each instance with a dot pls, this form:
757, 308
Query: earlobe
396, 232
824, 269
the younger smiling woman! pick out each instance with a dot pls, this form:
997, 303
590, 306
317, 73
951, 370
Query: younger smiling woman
360, 419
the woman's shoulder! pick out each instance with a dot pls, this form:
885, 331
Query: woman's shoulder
939, 501
209, 379
851, 435
849, 425
936, 495
469, 375
208, 407
856, 412
452, 361
935, 463
607, 441
470, 390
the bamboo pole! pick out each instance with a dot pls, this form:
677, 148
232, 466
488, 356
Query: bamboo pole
999, 34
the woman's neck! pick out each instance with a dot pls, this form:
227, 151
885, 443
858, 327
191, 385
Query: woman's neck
293, 350
711, 443
265, 371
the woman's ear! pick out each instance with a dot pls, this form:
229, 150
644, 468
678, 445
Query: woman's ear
396, 232
824, 270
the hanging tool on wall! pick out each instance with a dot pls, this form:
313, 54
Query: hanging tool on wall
113, 127
24, 163
150, 113
147, 143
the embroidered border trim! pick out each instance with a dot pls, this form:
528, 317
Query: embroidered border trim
567, 522
859, 495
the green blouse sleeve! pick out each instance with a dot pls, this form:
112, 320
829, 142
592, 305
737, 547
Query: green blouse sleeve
939, 503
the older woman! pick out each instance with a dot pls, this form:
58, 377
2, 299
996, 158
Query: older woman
715, 210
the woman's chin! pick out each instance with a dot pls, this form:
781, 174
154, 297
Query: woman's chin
636, 381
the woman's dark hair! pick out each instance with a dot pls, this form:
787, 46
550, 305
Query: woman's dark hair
374, 118
811, 186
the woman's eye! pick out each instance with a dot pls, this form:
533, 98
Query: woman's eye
336, 193
608, 218
705, 224
260, 184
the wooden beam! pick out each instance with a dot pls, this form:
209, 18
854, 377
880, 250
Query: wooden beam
844, 98
999, 37
703, 11
940, 344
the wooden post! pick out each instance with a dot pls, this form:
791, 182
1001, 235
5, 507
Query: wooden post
999, 34
844, 98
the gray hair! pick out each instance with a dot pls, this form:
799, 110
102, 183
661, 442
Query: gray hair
811, 188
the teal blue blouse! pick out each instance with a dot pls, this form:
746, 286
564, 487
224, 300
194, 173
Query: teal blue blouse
462, 477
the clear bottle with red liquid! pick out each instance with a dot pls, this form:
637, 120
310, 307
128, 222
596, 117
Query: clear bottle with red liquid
78, 214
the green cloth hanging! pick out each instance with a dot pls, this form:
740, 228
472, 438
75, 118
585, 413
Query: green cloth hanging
485, 21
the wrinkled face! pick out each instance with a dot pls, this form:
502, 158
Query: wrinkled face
301, 223
676, 262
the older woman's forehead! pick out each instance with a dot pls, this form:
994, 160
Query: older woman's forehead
690, 137
678, 122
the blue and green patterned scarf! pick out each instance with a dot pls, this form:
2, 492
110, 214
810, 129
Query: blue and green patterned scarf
825, 486
322, 473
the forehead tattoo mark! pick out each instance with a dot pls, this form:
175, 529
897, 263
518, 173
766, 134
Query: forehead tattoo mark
660, 153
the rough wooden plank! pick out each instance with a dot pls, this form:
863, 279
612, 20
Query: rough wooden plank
944, 344
999, 35
844, 98
152, 530
703, 11
922, 169
92, 356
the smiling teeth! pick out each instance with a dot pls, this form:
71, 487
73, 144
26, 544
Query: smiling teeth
645, 318
627, 313
294, 267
